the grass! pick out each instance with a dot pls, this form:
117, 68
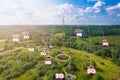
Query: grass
108, 71
105, 68
113, 40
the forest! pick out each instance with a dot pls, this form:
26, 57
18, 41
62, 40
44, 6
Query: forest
70, 55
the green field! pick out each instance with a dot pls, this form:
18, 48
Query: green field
113, 40
19, 64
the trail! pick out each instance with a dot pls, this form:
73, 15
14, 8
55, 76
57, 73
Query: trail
60, 65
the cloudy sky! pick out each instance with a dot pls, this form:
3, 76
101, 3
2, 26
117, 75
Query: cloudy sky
43, 12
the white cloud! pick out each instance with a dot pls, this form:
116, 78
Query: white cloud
81, 11
98, 5
88, 9
114, 10
64, 8
46, 12
95, 8
26, 12
84, 11
111, 8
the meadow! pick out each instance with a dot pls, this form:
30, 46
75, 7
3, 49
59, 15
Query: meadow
17, 63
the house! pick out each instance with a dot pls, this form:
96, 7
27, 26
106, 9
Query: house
31, 47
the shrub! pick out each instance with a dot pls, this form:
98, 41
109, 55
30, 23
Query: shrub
41, 72
98, 77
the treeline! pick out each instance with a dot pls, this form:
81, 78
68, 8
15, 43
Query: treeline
94, 30
111, 51
58, 39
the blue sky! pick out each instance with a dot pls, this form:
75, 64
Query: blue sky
43, 12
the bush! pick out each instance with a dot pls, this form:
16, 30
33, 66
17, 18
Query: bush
98, 77
34, 77
42, 71
71, 66
102, 63
87, 77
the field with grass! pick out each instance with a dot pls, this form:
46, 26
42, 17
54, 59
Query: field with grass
18, 63
112, 39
